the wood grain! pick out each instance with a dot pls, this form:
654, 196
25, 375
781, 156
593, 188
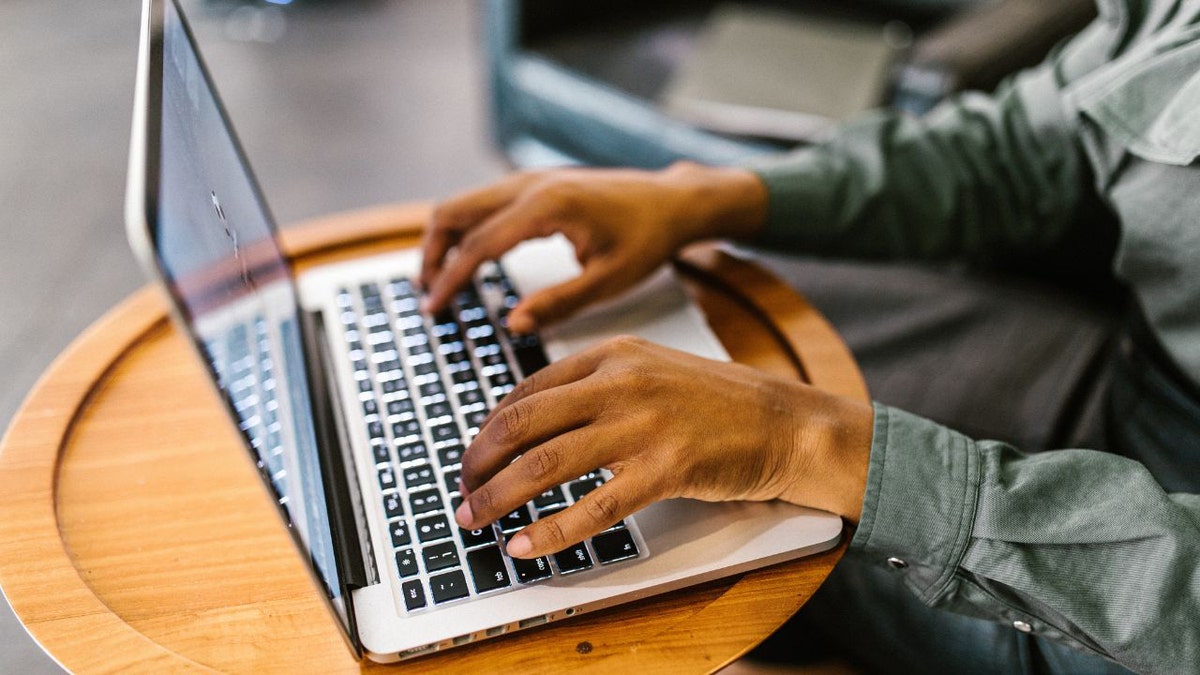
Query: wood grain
135, 535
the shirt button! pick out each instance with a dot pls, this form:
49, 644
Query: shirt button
1022, 626
897, 563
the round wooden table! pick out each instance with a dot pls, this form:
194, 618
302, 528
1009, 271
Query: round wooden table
135, 535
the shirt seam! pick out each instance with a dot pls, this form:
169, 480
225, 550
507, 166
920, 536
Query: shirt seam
966, 521
875, 482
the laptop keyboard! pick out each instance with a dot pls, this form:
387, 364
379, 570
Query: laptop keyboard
425, 384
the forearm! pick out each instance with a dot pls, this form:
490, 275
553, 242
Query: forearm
1083, 547
979, 177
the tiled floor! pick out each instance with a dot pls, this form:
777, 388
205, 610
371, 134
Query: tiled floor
345, 104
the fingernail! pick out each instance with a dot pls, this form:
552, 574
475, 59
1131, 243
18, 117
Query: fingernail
462, 490
426, 304
464, 516
521, 323
519, 545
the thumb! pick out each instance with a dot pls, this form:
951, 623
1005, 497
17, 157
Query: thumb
558, 302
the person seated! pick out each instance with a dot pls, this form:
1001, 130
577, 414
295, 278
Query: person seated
967, 554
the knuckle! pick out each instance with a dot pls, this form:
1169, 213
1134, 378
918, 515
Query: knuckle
551, 535
602, 507
471, 245
559, 191
625, 344
513, 423
544, 462
483, 501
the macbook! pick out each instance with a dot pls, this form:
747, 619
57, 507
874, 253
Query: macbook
356, 407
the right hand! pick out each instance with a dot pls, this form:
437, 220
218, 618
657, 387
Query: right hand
623, 224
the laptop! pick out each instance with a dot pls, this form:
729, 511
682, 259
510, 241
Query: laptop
356, 408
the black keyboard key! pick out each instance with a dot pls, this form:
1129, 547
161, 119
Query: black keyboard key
448, 347
432, 528
529, 571
613, 546
451, 455
440, 556
393, 506
400, 287
449, 586
475, 418
424, 369
573, 559
487, 569
463, 375
452, 478
409, 452
418, 476
501, 379
414, 594
550, 498
400, 535
530, 358
370, 407
406, 429
406, 563
393, 386
375, 429
424, 502
436, 409
402, 408
364, 385
515, 520
380, 450
443, 433
472, 538
387, 478
470, 396
580, 488
390, 366
432, 391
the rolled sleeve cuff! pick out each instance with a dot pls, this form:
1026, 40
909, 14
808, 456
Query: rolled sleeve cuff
798, 200
919, 506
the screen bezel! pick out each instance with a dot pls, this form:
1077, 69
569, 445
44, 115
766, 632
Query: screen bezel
141, 217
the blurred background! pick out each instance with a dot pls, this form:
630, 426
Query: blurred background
348, 104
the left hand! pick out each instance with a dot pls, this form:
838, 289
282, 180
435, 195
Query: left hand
667, 424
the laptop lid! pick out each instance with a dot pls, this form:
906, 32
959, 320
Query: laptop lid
198, 222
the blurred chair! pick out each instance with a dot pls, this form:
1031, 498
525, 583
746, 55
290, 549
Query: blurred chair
577, 83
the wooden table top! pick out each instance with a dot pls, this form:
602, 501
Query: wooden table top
136, 536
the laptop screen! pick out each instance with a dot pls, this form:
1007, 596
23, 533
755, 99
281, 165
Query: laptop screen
217, 249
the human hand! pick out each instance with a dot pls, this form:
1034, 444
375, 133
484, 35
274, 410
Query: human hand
623, 224
666, 424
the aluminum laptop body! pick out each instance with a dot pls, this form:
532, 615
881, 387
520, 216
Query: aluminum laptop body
331, 399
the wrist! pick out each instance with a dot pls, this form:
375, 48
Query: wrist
718, 202
831, 451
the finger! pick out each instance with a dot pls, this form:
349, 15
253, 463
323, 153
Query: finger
597, 281
523, 425
459, 214
573, 368
551, 463
521, 220
617, 499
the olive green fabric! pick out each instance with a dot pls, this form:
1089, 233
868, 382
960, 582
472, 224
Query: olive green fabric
1084, 547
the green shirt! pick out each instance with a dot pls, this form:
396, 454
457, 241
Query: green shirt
1083, 546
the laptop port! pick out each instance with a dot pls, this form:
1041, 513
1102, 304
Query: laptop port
417, 651
533, 621
498, 630
462, 640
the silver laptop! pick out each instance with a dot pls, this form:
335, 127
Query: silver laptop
356, 407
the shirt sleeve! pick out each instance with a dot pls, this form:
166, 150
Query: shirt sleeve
1079, 546
980, 177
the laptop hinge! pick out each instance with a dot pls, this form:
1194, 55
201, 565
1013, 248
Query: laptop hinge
350, 539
